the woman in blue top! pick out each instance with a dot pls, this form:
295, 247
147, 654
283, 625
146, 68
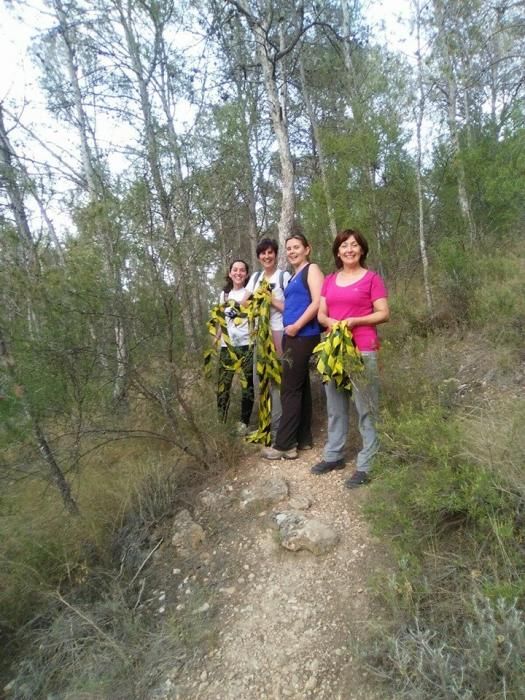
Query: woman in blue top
301, 335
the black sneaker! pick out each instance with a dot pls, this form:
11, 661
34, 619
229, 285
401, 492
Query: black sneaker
357, 479
325, 467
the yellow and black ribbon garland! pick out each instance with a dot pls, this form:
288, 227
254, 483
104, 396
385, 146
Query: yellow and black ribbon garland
267, 363
217, 321
338, 358
268, 367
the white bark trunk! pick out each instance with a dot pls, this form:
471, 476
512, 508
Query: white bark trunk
93, 190
153, 158
280, 128
320, 151
277, 100
452, 97
420, 110
357, 111
81, 119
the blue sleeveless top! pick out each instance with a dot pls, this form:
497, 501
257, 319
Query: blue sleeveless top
297, 298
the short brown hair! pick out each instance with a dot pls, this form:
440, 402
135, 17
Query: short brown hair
265, 244
343, 236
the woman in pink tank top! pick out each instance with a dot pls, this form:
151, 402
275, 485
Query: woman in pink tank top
358, 296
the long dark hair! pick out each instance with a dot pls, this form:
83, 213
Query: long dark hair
229, 282
343, 236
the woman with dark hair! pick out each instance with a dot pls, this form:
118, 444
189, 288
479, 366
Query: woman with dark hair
277, 280
239, 346
358, 297
301, 335
266, 251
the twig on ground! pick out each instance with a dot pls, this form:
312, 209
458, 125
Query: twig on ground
146, 559
111, 641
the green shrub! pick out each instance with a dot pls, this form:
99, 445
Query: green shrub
486, 658
498, 302
449, 496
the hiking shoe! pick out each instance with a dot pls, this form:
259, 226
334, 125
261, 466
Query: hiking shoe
305, 446
325, 467
358, 478
274, 453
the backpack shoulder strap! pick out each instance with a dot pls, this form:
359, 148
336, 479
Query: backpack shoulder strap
255, 278
304, 277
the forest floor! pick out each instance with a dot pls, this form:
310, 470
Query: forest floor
264, 622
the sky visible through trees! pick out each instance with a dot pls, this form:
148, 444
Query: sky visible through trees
19, 82
166, 137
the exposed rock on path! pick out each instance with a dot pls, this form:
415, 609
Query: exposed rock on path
286, 623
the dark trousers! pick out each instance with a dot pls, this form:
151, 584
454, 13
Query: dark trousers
295, 426
225, 382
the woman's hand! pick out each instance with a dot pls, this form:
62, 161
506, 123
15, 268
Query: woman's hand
351, 322
292, 330
329, 322
323, 317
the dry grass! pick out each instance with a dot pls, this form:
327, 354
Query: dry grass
68, 585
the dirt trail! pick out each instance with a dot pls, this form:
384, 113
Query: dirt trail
287, 624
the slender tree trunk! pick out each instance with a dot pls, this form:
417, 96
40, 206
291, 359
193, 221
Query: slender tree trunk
464, 202
271, 64
320, 151
56, 475
236, 55
9, 179
182, 217
452, 97
420, 110
250, 189
497, 52
81, 118
280, 128
93, 186
30, 263
125, 10
368, 167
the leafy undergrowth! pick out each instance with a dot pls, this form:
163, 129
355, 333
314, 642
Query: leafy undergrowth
449, 495
72, 590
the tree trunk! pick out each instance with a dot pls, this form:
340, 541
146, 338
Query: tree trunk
280, 128
368, 166
153, 158
94, 191
9, 178
451, 92
420, 110
320, 151
270, 60
55, 473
